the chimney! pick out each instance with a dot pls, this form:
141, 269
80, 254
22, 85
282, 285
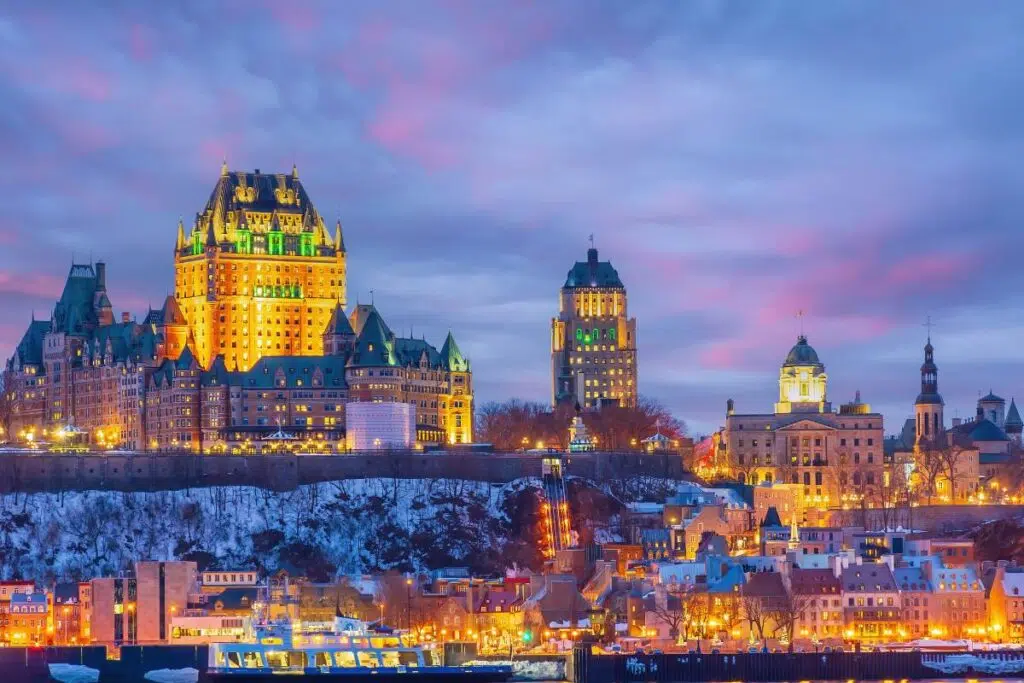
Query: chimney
101, 275
125, 317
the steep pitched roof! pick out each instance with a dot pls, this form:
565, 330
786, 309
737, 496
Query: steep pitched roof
171, 313
452, 357
361, 313
374, 347
771, 518
217, 374
592, 273
409, 351
30, 349
1013, 416
269, 370
74, 312
339, 323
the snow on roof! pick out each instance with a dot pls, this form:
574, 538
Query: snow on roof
680, 572
582, 623
647, 508
1013, 583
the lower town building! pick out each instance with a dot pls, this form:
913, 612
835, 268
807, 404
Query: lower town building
138, 608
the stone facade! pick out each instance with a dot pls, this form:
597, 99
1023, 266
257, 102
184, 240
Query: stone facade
593, 339
255, 341
832, 458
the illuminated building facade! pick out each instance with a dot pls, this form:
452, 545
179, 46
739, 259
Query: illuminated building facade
256, 340
82, 369
831, 458
216, 410
593, 340
258, 274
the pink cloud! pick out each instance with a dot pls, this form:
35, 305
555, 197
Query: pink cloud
41, 285
140, 43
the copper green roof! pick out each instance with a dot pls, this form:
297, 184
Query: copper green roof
452, 357
986, 430
30, 349
802, 353
1013, 416
374, 345
74, 313
339, 323
593, 273
270, 371
361, 313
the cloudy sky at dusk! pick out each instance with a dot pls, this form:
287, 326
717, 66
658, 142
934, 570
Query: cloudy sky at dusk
736, 161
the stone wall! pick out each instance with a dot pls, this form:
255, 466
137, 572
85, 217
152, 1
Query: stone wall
154, 472
939, 518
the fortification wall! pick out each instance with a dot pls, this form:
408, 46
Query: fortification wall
938, 518
153, 472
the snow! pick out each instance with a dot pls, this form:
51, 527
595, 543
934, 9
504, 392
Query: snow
172, 676
582, 623
74, 673
998, 665
529, 670
359, 525
621, 628
647, 508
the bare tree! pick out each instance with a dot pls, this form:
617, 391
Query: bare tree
697, 605
951, 460
785, 613
754, 611
928, 470
669, 611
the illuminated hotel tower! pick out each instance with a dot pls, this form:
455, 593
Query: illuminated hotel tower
258, 274
593, 341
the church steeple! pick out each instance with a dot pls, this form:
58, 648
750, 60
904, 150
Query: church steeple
928, 406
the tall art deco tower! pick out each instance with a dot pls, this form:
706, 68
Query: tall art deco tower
593, 340
258, 274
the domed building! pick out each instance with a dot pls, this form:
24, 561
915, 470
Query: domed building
802, 381
831, 458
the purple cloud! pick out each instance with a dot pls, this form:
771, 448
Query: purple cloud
737, 162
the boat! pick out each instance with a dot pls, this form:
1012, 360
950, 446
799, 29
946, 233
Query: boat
342, 650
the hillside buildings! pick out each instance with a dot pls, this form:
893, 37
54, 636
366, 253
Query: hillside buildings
255, 342
593, 339
829, 457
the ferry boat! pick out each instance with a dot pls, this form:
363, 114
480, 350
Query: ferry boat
345, 650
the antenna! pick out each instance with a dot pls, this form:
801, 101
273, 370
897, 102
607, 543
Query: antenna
800, 317
371, 297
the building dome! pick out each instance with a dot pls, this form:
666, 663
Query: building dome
802, 353
986, 430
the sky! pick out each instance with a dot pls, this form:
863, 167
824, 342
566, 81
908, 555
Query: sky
737, 162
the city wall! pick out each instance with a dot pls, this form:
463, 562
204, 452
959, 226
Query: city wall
156, 472
938, 518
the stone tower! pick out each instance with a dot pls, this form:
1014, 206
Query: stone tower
928, 425
593, 339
